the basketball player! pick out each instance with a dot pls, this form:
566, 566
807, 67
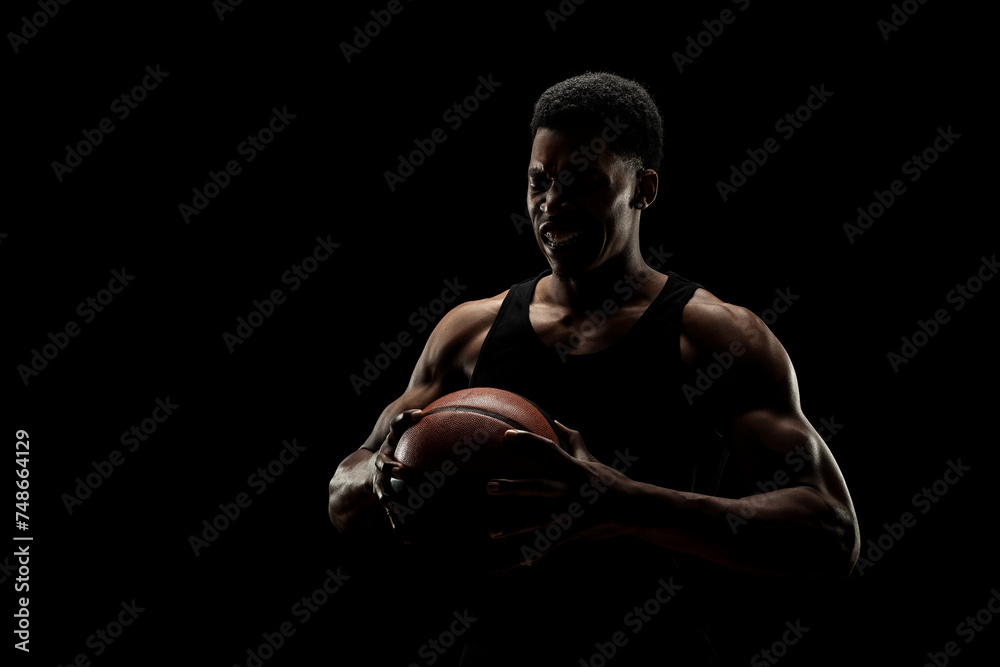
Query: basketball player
606, 342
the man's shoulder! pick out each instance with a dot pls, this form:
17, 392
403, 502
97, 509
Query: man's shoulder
709, 324
470, 318
478, 310
456, 339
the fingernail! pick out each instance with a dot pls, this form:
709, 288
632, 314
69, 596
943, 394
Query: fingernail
492, 487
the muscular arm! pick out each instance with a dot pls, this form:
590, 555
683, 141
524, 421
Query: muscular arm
445, 364
805, 525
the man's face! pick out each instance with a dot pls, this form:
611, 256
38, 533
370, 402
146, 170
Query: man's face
578, 198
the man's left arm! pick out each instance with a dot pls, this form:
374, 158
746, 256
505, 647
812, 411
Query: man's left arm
806, 527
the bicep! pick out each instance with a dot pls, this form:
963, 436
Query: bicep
773, 443
782, 455
776, 448
439, 369
426, 384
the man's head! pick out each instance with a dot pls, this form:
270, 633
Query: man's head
597, 142
593, 99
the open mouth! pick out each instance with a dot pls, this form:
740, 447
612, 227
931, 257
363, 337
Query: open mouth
564, 233
558, 238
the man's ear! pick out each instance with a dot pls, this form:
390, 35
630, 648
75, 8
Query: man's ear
647, 184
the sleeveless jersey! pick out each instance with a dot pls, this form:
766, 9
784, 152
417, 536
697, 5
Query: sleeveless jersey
621, 595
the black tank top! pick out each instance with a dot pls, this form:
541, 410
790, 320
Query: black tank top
626, 400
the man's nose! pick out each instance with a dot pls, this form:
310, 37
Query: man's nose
557, 199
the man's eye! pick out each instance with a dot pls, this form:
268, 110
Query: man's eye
539, 185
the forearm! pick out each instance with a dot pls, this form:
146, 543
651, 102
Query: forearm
792, 531
353, 505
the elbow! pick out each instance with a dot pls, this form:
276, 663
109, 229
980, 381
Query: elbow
331, 505
347, 506
826, 543
834, 541
842, 544
335, 507
350, 500
850, 548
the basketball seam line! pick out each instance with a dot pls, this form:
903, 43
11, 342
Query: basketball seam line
485, 413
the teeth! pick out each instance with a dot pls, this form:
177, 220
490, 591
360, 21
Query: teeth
558, 238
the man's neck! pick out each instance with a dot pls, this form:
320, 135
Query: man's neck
626, 278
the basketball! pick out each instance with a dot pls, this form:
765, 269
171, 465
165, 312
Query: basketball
450, 454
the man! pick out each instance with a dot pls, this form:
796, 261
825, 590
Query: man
610, 346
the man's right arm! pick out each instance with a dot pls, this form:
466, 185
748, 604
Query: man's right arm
445, 365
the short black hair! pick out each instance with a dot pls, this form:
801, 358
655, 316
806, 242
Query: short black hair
591, 98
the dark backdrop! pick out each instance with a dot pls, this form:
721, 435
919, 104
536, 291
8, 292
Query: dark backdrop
124, 535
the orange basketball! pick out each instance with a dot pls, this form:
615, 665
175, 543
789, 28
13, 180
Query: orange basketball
450, 454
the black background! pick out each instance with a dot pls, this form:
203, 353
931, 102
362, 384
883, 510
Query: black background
323, 176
